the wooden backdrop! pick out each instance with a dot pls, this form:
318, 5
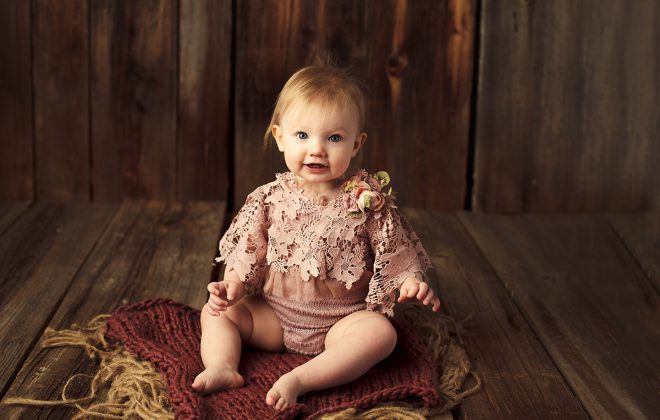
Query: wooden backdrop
492, 105
568, 114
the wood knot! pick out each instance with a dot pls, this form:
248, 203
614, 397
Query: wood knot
396, 64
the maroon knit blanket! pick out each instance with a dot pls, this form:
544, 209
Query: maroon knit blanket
167, 334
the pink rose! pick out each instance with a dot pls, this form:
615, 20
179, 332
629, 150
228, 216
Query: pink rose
377, 201
361, 186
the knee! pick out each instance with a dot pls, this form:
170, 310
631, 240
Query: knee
381, 333
236, 315
386, 334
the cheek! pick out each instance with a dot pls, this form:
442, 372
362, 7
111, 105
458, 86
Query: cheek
343, 161
292, 154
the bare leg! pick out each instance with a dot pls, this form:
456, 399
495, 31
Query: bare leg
249, 321
353, 345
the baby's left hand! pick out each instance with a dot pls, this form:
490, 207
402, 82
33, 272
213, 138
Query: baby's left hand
415, 289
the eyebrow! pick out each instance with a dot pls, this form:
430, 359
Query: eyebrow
329, 131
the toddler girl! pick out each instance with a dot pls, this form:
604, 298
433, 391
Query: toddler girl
313, 260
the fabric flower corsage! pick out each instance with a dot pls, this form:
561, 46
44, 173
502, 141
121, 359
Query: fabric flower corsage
366, 194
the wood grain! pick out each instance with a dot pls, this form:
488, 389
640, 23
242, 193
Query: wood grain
204, 113
518, 376
418, 99
419, 71
641, 234
592, 308
61, 99
40, 255
10, 212
150, 250
568, 99
16, 139
268, 50
133, 67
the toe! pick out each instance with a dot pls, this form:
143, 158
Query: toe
198, 384
272, 397
281, 404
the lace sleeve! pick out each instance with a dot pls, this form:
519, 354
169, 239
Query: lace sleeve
243, 247
398, 254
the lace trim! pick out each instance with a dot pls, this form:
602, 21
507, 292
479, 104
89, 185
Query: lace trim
399, 254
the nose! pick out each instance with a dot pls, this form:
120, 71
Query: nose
316, 147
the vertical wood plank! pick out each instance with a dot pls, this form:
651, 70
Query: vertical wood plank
40, 256
519, 379
204, 116
641, 234
568, 106
419, 61
414, 57
133, 99
61, 99
16, 135
588, 302
268, 49
150, 250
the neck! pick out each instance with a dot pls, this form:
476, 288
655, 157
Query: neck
316, 189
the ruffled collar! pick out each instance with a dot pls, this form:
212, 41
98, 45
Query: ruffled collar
361, 194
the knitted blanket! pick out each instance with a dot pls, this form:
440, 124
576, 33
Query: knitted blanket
167, 334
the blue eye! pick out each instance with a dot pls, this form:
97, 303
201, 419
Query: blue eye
335, 138
302, 135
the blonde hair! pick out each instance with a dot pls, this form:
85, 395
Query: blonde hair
327, 84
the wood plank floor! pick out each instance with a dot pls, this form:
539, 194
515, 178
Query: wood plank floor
564, 309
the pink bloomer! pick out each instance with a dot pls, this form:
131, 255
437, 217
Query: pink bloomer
305, 324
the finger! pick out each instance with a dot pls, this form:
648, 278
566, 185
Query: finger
423, 289
212, 288
217, 300
429, 297
212, 311
217, 306
221, 289
403, 293
232, 291
412, 290
436, 305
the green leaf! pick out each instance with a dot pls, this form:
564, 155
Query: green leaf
382, 177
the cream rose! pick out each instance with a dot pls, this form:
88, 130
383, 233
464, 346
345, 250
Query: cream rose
370, 200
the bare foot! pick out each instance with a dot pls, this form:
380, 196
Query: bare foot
217, 379
284, 392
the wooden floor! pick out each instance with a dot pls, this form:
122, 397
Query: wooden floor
565, 319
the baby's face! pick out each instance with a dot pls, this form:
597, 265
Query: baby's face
319, 141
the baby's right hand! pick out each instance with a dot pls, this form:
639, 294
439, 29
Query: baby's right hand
223, 295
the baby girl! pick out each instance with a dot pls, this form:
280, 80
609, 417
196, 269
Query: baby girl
313, 260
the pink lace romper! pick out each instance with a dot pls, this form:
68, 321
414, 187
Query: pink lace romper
315, 264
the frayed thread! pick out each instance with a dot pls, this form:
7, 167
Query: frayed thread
442, 335
385, 412
123, 387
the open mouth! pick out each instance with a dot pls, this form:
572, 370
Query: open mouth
314, 165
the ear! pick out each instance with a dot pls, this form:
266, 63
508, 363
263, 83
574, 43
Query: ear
278, 134
359, 141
